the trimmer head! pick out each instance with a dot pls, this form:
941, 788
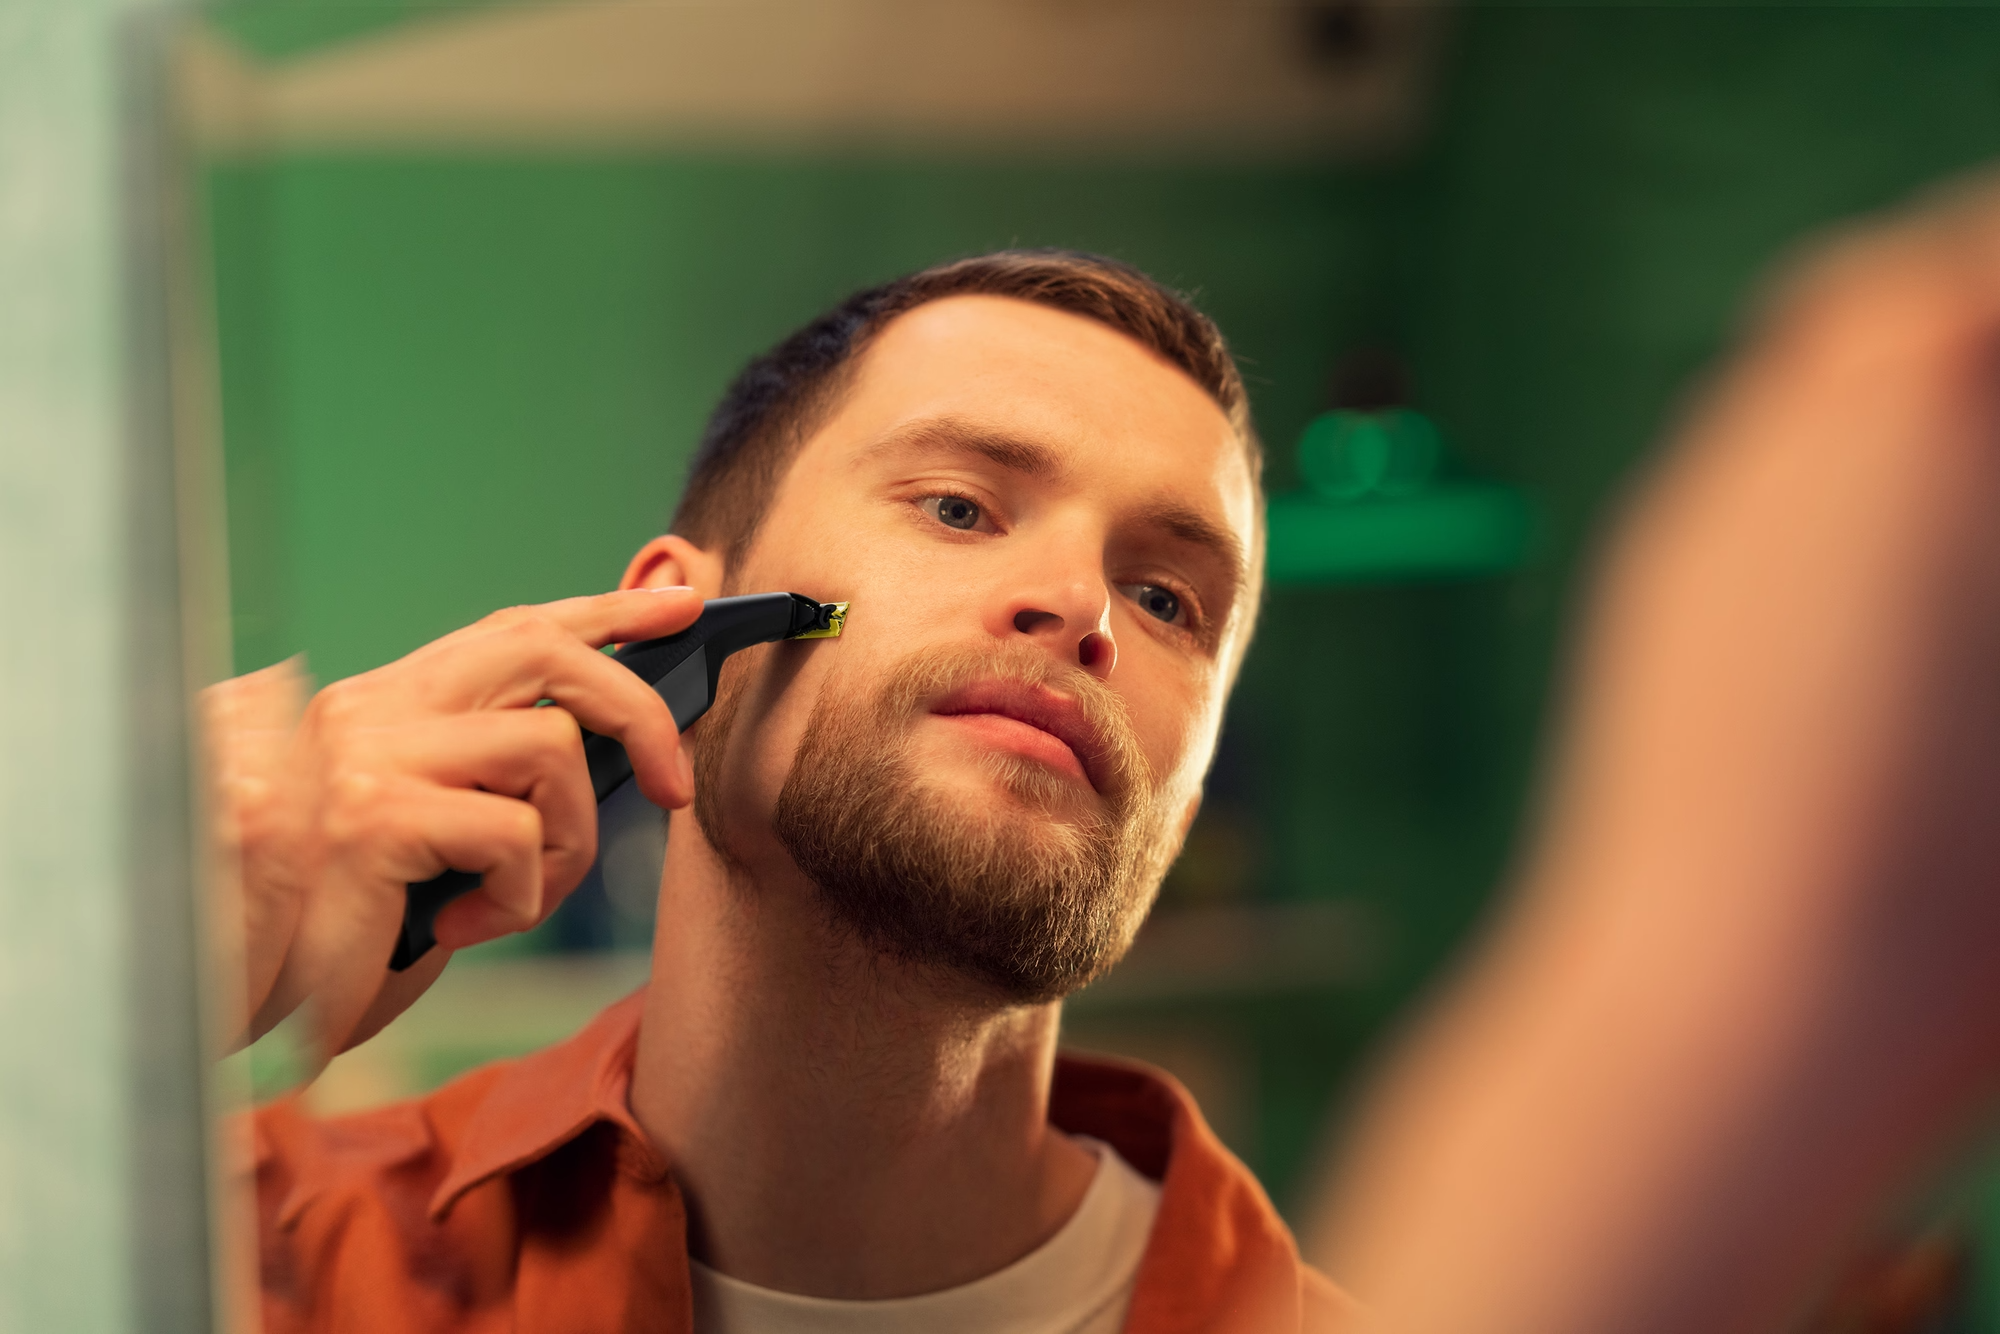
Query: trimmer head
832, 617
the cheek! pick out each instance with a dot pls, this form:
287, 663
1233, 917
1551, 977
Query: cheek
786, 691
766, 710
1177, 727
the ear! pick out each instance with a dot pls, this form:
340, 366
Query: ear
670, 561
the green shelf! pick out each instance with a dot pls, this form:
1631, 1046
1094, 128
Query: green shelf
1442, 531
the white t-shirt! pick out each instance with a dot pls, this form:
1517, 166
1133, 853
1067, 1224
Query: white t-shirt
1077, 1282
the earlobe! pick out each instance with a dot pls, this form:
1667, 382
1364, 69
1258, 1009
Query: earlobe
671, 560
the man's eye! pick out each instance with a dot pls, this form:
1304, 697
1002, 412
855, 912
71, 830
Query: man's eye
1158, 603
952, 511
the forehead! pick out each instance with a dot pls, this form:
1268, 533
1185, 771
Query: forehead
1113, 410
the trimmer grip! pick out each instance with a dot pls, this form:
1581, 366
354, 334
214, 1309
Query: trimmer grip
420, 912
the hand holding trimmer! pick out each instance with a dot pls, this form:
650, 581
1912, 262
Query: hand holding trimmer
683, 668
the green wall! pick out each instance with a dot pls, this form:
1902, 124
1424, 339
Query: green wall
456, 382
452, 384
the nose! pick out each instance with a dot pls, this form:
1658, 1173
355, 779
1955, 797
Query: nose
1070, 616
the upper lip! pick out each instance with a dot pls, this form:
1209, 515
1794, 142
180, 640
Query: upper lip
1057, 714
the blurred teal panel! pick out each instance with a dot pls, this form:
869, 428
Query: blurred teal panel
1448, 530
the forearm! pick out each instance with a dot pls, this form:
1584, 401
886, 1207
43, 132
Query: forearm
1628, 1124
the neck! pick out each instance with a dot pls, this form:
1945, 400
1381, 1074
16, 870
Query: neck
841, 1125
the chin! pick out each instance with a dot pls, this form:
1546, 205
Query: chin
1010, 788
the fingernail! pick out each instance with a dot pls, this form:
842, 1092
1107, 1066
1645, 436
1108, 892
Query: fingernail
669, 588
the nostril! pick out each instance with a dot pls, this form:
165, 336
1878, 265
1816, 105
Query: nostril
1029, 622
1095, 650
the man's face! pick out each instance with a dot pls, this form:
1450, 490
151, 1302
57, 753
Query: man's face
1045, 533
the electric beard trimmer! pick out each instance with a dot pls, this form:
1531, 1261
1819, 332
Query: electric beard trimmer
683, 668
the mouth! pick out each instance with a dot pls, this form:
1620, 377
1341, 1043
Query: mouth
1034, 722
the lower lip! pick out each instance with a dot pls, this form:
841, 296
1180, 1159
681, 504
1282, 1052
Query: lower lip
1023, 739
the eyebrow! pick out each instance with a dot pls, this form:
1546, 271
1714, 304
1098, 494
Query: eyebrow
1030, 458
1196, 529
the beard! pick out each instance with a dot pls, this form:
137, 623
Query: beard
1030, 895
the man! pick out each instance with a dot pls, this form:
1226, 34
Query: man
838, 1104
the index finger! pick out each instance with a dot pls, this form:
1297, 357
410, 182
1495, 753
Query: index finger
627, 615
516, 657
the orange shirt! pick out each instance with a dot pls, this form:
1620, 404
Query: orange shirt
524, 1197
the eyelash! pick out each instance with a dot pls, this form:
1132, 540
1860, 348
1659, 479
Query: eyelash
1189, 600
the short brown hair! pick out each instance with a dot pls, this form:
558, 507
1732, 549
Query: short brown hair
778, 400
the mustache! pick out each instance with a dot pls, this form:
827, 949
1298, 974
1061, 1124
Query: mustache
930, 675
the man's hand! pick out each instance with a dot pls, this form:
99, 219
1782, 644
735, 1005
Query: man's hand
439, 760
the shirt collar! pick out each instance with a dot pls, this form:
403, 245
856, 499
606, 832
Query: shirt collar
1219, 1257
545, 1100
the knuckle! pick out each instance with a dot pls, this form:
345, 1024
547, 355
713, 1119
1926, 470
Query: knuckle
252, 806
222, 703
521, 827
356, 809
508, 616
557, 731
339, 708
534, 636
